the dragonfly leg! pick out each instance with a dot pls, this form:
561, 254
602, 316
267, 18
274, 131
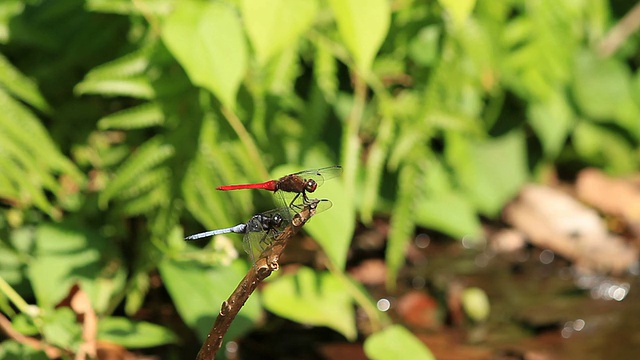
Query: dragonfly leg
292, 205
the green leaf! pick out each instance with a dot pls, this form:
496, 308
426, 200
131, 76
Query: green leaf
150, 154
402, 223
450, 213
318, 299
207, 40
134, 334
459, 10
363, 25
29, 157
198, 293
21, 86
13, 350
475, 303
552, 120
491, 171
603, 91
274, 25
138, 117
396, 342
126, 7
599, 145
66, 255
135, 87
62, 329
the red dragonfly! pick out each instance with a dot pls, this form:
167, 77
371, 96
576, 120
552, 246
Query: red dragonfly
300, 183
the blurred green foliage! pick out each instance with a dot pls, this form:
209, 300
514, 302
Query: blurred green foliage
120, 117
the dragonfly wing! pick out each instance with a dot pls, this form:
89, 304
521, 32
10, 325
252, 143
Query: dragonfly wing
322, 174
263, 228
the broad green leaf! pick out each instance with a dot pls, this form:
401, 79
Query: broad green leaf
552, 120
207, 40
603, 91
333, 228
599, 145
134, 334
13, 350
440, 206
198, 293
66, 255
127, 7
363, 26
62, 329
450, 213
459, 10
318, 299
396, 342
601, 86
491, 171
274, 25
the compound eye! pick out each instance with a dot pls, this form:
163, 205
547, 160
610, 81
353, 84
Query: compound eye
311, 185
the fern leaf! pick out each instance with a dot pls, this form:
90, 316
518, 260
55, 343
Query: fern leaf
146, 182
150, 154
127, 66
128, 7
21, 86
142, 116
138, 87
148, 201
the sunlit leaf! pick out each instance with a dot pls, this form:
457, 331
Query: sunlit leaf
459, 10
67, 254
491, 171
134, 334
318, 299
20, 86
599, 145
552, 121
475, 303
142, 116
62, 329
396, 342
198, 293
363, 25
207, 39
274, 25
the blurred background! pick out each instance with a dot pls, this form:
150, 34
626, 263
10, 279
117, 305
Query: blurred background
487, 208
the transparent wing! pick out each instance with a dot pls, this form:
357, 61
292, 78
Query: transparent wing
322, 174
263, 228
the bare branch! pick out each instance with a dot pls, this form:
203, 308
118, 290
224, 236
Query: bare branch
264, 266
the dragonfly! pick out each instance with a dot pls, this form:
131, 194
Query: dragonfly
260, 231
300, 183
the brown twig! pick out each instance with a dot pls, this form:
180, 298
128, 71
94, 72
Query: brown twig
6, 327
264, 266
621, 32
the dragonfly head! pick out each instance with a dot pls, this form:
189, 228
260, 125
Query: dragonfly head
277, 220
310, 185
